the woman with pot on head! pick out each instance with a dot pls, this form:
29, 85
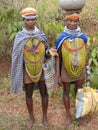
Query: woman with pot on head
71, 47
30, 50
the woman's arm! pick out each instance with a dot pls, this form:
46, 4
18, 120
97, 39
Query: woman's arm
58, 67
88, 72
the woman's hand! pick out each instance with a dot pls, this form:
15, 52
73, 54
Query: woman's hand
59, 81
53, 52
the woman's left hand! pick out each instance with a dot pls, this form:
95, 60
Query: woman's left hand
53, 52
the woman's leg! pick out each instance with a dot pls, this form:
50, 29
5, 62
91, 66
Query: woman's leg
29, 102
44, 96
66, 100
78, 84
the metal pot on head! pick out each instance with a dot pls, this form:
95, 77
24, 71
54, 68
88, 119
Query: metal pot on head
72, 4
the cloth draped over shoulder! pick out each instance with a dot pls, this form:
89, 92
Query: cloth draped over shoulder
71, 34
17, 56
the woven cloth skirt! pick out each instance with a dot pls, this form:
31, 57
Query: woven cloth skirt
66, 78
27, 79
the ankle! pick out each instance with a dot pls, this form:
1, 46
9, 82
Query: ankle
68, 114
32, 117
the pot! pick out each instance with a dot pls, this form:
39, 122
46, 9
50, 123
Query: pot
72, 4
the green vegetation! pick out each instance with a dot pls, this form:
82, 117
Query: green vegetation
93, 59
50, 19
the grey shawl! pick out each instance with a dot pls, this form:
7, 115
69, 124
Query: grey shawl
17, 56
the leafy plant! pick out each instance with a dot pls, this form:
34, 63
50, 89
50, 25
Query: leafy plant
76, 122
94, 78
93, 60
93, 51
9, 26
13, 29
53, 30
47, 12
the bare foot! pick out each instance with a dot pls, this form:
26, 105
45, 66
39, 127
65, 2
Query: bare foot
68, 120
45, 123
30, 123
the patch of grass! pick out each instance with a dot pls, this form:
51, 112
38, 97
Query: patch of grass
76, 122
5, 84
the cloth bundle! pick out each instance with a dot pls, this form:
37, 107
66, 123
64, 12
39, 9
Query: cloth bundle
50, 78
86, 101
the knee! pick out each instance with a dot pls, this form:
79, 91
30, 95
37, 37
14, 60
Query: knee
44, 96
29, 95
28, 90
66, 89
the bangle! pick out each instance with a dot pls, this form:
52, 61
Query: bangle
87, 67
88, 72
47, 52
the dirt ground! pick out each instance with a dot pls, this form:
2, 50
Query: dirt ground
13, 111
14, 115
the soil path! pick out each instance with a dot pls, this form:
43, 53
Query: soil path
14, 115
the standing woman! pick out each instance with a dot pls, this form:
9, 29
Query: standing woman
30, 50
71, 47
